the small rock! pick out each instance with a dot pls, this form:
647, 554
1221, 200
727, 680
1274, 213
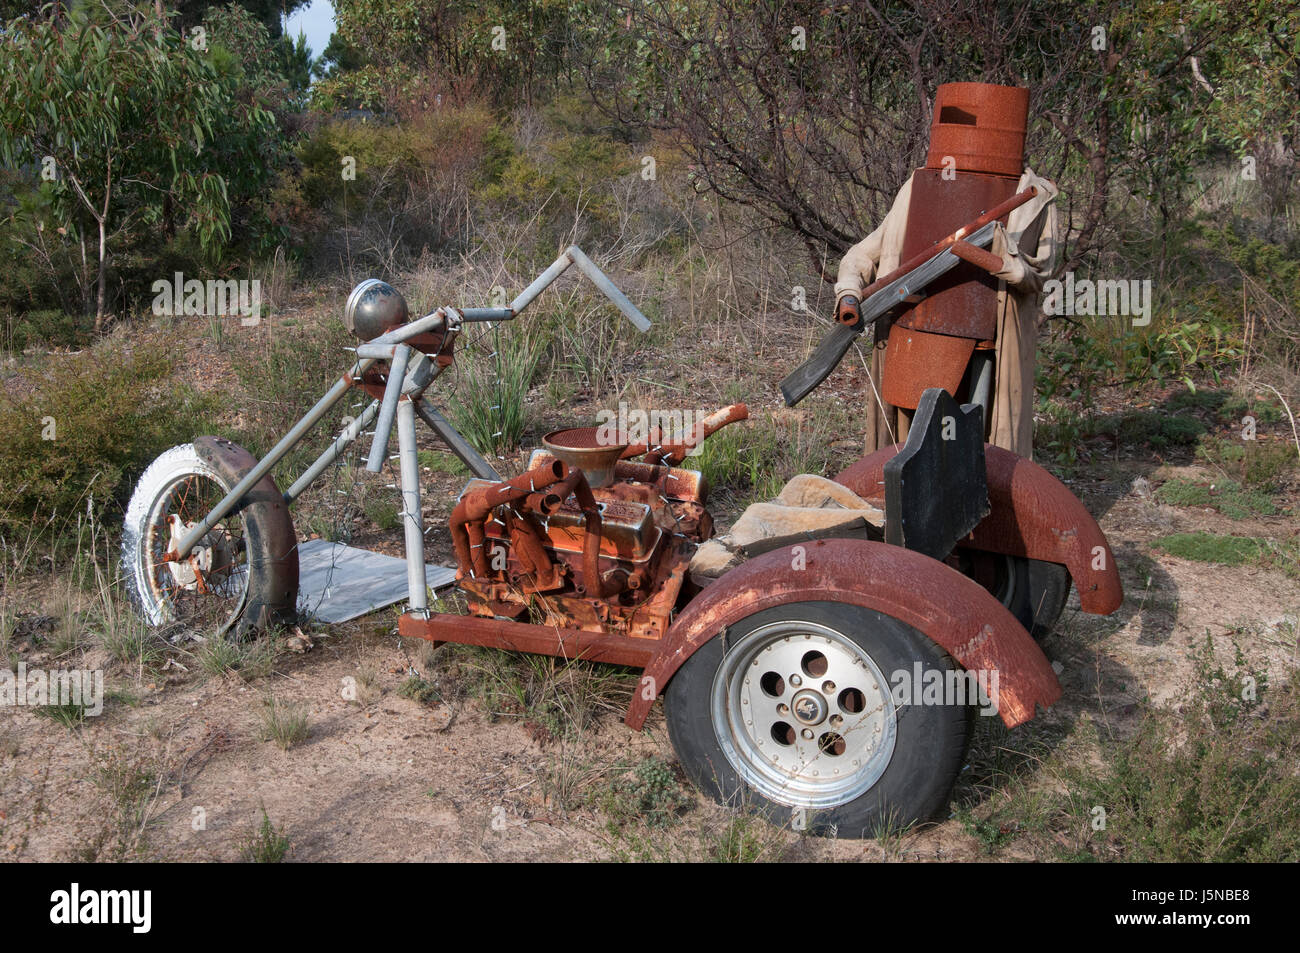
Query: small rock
299, 643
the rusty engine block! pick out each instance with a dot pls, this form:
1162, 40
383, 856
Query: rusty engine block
586, 539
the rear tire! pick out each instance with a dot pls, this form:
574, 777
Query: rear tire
797, 717
1032, 590
1049, 588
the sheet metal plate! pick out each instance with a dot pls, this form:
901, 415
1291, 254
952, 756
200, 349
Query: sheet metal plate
337, 583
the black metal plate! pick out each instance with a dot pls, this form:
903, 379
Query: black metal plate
936, 488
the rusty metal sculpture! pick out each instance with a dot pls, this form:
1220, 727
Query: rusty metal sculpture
781, 677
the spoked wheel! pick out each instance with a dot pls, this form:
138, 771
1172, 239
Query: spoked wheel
797, 715
241, 564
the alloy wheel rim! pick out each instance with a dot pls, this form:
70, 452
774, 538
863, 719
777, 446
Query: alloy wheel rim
803, 714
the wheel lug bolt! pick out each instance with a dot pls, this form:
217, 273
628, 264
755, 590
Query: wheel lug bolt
796, 680
783, 709
807, 734
828, 688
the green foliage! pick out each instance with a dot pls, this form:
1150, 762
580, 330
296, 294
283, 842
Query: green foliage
1237, 406
281, 380
1155, 429
45, 329
383, 191
1212, 782
140, 130
70, 715
420, 690
753, 460
1232, 550
1255, 463
1228, 498
383, 513
284, 723
1210, 548
651, 793
441, 462
246, 661
489, 406
562, 178
111, 414
266, 844
743, 839
509, 49
1074, 364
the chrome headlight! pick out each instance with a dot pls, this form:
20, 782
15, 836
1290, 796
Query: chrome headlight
374, 307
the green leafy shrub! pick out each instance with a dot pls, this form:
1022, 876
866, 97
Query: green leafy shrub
266, 844
1256, 463
1232, 550
492, 385
47, 329
1228, 498
650, 793
85, 430
379, 191
282, 380
1156, 430
1213, 781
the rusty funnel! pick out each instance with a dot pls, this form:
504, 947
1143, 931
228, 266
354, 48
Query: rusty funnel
582, 447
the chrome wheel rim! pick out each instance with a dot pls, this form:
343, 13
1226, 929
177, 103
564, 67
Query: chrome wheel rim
209, 591
803, 714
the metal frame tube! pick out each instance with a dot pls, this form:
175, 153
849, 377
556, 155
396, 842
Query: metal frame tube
405, 332
540, 283
332, 452
611, 290
393, 391
487, 314
263, 467
448, 318
412, 519
458, 444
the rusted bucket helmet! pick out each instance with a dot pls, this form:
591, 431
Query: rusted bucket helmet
980, 126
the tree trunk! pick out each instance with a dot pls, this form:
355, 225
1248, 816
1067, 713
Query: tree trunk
103, 279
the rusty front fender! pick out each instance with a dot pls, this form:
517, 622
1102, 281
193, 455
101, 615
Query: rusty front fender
932, 597
1032, 514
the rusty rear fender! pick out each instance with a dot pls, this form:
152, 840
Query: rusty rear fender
1032, 514
932, 597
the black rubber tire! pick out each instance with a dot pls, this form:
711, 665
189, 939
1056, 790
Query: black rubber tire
1033, 591
1049, 588
930, 744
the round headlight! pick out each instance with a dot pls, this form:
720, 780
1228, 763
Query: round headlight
374, 307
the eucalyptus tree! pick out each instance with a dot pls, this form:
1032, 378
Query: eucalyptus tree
124, 124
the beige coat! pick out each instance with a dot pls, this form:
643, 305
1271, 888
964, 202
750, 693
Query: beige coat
1028, 249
